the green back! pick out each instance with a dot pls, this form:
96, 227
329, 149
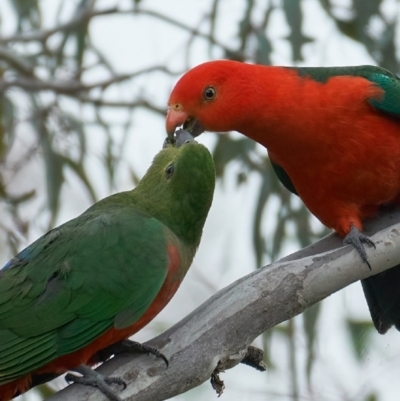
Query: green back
104, 268
284, 177
389, 105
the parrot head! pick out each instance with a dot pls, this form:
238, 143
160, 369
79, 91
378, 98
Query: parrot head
178, 187
208, 97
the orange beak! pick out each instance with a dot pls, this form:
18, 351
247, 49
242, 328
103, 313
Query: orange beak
174, 119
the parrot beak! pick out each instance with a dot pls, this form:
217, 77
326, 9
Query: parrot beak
176, 118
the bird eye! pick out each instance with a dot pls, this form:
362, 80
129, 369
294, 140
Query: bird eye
169, 171
209, 93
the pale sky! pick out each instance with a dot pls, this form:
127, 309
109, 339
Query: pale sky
226, 251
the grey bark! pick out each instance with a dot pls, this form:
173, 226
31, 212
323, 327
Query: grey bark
222, 328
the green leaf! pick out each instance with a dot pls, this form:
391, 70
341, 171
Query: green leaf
371, 397
245, 25
266, 341
81, 173
7, 125
360, 335
310, 320
54, 164
365, 10
81, 31
28, 13
228, 149
264, 49
259, 241
294, 18
44, 391
71, 124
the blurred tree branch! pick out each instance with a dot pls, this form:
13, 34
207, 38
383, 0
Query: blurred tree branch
57, 82
73, 88
37, 66
38, 60
221, 329
42, 35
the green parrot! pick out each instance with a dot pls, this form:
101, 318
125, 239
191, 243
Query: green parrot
101, 277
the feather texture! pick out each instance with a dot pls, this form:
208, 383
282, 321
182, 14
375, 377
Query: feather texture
102, 276
332, 135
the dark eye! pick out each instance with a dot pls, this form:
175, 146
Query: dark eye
169, 171
209, 93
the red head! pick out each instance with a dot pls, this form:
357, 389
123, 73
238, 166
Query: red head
211, 95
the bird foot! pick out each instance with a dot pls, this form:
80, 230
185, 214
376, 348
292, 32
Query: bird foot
92, 378
255, 359
216, 382
129, 346
134, 346
356, 238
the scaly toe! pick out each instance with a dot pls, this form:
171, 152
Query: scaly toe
356, 238
92, 378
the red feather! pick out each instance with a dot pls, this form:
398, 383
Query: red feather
342, 155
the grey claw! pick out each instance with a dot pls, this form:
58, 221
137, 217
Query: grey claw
92, 378
356, 238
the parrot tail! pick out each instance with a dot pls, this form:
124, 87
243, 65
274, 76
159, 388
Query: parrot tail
382, 293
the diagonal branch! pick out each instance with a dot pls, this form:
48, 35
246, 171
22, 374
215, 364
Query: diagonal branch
16, 61
43, 35
124, 104
74, 87
223, 327
193, 31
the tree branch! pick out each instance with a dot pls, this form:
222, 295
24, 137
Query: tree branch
16, 61
43, 35
222, 328
72, 88
78, 90
179, 24
128, 105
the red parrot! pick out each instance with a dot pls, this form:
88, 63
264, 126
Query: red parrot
332, 135
104, 275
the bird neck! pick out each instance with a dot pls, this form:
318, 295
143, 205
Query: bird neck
288, 113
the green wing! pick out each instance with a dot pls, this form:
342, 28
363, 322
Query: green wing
283, 177
99, 270
390, 104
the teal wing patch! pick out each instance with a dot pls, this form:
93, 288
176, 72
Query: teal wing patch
389, 82
284, 177
69, 286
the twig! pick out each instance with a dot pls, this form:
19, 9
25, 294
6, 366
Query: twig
43, 35
16, 61
73, 87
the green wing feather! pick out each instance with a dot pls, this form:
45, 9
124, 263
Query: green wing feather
283, 177
104, 268
387, 81
52, 303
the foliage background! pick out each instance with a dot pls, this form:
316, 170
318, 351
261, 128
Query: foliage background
84, 85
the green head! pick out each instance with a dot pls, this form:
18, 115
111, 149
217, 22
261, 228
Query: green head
178, 189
